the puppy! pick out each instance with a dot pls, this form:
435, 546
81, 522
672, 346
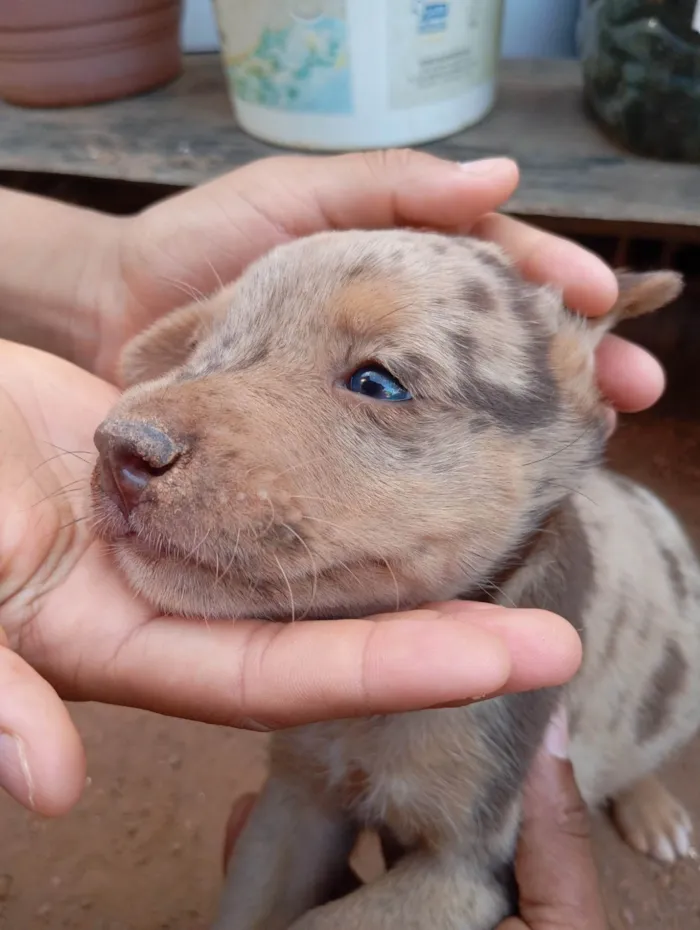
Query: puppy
364, 422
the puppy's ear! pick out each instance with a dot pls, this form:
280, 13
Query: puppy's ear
165, 345
574, 346
640, 293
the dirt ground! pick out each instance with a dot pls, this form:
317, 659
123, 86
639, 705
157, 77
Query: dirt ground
142, 849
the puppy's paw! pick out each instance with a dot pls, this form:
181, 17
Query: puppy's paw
653, 822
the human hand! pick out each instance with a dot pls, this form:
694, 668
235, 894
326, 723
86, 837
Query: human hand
77, 628
554, 867
187, 245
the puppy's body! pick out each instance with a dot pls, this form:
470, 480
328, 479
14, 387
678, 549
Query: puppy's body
484, 482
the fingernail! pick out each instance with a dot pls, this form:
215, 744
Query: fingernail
15, 776
465, 702
556, 739
485, 165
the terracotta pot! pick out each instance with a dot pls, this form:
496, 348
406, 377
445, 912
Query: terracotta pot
73, 52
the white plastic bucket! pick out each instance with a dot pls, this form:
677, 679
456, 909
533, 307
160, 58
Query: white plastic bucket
358, 74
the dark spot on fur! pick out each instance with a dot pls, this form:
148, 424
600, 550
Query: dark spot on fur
227, 354
645, 629
533, 407
515, 412
620, 621
414, 372
513, 734
439, 248
675, 574
565, 587
256, 356
360, 269
574, 714
479, 423
503, 271
504, 875
668, 679
477, 296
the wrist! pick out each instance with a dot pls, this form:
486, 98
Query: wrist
59, 275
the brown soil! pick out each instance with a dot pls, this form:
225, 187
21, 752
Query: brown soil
142, 850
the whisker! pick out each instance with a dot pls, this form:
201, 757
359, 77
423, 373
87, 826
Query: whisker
396, 583
75, 522
76, 453
563, 487
217, 276
189, 290
289, 587
272, 519
489, 586
568, 445
71, 488
197, 547
348, 570
233, 557
312, 600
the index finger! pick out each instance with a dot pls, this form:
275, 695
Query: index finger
260, 675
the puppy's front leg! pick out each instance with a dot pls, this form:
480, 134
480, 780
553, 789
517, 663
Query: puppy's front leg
441, 891
291, 856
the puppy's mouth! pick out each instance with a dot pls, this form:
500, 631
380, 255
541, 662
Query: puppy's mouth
181, 582
179, 578
265, 571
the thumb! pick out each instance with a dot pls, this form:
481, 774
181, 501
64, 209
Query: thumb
555, 868
41, 757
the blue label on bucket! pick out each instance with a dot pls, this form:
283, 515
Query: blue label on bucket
432, 17
302, 66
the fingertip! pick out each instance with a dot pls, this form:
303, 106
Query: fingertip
60, 776
407, 187
630, 377
545, 649
589, 285
42, 762
500, 170
440, 659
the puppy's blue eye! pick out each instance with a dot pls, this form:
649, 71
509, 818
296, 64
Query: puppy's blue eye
376, 382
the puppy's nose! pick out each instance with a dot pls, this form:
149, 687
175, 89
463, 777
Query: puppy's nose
131, 455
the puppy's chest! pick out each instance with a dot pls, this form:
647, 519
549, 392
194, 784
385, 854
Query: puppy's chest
416, 773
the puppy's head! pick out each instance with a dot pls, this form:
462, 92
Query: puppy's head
364, 420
